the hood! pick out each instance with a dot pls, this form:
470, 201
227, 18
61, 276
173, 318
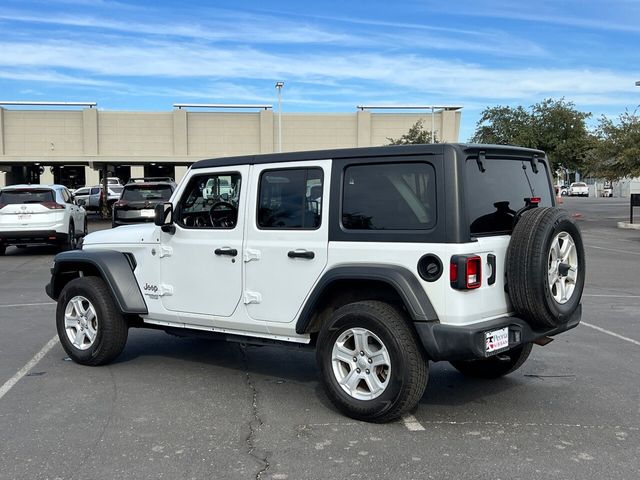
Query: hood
139, 233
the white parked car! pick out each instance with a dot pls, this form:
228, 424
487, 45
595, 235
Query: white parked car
40, 214
383, 259
578, 189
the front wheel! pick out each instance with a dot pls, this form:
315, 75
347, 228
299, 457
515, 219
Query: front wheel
497, 366
372, 365
90, 327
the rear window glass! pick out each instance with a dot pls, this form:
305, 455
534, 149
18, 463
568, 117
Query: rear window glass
115, 189
8, 197
495, 195
138, 193
389, 196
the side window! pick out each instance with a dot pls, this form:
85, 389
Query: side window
290, 199
389, 196
65, 196
95, 190
210, 201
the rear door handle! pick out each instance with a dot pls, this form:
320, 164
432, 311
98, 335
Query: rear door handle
491, 259
301, 254
232, 252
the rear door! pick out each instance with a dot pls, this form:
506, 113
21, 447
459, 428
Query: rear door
286, 239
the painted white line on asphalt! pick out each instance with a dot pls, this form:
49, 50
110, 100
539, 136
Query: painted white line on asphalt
613, 250
412, 423
28, 366
613, 334
13, 305
609, 296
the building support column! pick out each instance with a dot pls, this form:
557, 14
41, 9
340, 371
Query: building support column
363, 118
180, 133
90, 131
47, 176
267, 132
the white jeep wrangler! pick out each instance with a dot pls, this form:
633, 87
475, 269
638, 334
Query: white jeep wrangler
383, 259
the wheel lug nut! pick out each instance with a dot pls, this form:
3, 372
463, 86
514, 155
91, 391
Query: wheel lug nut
367, 371
369, 360
355, 359
362, 354
358, 370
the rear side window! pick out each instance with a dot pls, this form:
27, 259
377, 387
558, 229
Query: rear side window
291, 199
143, 193
495, 195
40, 195
389, 196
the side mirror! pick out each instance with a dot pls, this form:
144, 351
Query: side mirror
164, 216
80, 202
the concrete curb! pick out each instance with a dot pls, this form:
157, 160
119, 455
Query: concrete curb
630, 226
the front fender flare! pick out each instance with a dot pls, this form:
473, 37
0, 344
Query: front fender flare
112, 266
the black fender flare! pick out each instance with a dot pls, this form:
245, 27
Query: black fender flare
401, 279
112, 266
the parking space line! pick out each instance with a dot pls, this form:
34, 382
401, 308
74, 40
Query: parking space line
613, 250
13, 305
412, 423
609, 296
613, 334
28, 366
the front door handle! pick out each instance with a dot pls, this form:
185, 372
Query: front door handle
301, 254
232, 252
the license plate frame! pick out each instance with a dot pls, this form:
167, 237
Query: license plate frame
496, 340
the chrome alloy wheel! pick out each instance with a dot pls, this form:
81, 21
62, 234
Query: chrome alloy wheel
563, 267
81, 322
361, 364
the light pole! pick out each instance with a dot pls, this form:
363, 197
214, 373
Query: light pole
279, 86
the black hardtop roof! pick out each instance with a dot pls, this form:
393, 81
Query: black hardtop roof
385, 151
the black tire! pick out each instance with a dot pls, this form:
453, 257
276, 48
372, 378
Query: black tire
3, 249
407, 377
528, 265
496, 366
112, 328
85, 229
70, 242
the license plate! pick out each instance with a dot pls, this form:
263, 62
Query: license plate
148, 213
496, 340
24, 216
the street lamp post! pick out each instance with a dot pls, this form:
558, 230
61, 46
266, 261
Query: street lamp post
279, 86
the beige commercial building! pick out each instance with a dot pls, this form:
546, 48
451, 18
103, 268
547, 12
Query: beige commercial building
70, 146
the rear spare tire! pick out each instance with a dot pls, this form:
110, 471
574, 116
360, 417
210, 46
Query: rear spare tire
545, 267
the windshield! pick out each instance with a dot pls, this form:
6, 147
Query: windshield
495, 195
26, 196
141, 193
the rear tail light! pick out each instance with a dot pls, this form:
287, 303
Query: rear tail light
52, 205
2, 205
121, 203
465, 272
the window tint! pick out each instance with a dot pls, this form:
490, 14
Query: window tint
95, 190
142, 193
33, 195
210, 201
389, 196
495, 195
65, 196
82, 191
290, 199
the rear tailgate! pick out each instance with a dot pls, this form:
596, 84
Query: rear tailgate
29, 209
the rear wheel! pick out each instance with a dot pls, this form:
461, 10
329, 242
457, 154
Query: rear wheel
3, 249
85, 229
497, 366
372, 365
91, 329
71, 240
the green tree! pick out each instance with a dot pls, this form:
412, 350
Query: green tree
416, 134
617, 153
554, 126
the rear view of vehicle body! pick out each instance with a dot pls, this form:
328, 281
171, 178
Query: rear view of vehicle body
39, 214
138, 200
578, 189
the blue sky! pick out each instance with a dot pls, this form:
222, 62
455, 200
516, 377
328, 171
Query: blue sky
331, 55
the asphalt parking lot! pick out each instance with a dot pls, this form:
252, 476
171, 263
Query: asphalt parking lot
179, 408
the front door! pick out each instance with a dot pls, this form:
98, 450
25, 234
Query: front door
201, 262
287, 237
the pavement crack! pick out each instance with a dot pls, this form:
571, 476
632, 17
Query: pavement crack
255, 422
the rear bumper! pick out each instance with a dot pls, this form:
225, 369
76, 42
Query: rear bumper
32, 237
450, 342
